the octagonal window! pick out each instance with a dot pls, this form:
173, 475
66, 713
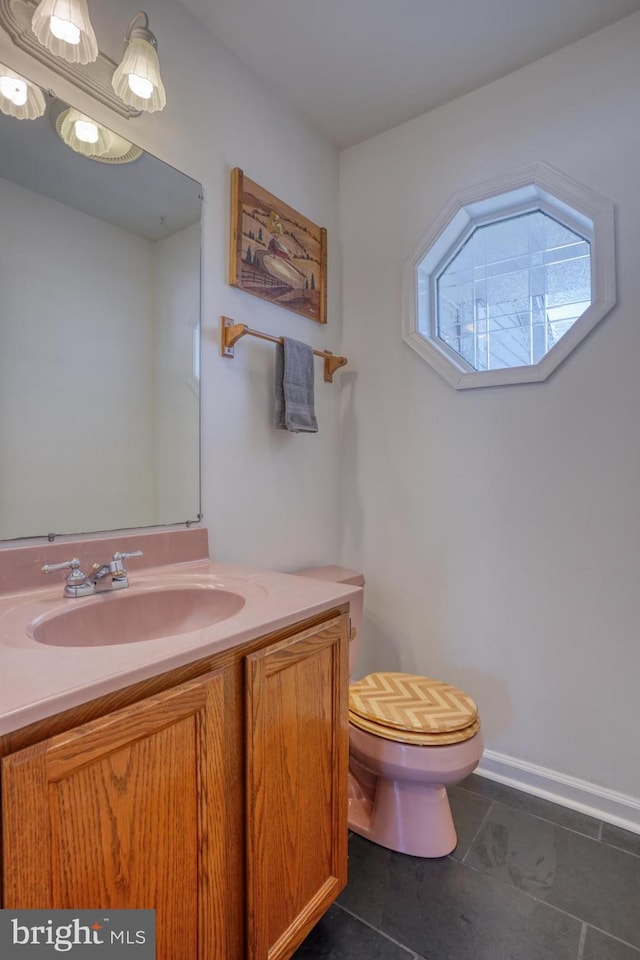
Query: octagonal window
512, 290
509, 281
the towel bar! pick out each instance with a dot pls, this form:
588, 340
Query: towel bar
230, 333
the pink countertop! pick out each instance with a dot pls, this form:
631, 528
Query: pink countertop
38, 680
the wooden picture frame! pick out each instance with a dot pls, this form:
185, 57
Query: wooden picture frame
276, 253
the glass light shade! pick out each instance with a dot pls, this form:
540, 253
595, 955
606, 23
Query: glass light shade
119, 151
86, 131
137, 79
92, 140
14, 89
83, 134
19, 97
64, 28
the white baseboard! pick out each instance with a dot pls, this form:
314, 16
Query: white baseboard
595, 801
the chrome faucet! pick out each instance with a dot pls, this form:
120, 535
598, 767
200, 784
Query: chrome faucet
80, 584
115, 569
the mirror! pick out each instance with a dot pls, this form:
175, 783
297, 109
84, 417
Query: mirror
99, 337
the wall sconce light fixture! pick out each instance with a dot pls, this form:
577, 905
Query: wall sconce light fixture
64, 28
19, 97
91, 139
137, 80
59, 34
82, 134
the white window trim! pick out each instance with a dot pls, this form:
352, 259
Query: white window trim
538, 186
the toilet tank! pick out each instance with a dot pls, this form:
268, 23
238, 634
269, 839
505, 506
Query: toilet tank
338, 574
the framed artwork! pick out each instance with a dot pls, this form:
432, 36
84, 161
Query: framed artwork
276, 253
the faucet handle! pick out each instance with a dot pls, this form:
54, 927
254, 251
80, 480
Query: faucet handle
118, 568
73, 565
77, 583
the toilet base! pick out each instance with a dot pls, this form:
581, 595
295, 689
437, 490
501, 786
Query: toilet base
410, 818
398, 792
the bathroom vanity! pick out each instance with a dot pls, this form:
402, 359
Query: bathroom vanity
180, 744
202, 774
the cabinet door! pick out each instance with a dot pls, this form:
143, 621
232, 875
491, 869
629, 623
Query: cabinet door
130, 811
297, 761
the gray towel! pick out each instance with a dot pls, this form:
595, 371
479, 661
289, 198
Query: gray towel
294, 387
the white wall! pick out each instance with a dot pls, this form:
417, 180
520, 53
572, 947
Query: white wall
70, 355
270, 498
499, 529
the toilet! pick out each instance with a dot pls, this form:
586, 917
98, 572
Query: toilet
410, 737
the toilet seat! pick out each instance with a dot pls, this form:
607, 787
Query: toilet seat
412, 709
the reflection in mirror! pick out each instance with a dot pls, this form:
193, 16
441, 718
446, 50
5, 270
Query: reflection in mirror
99, 335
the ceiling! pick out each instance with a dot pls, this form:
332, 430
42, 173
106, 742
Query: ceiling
357, 67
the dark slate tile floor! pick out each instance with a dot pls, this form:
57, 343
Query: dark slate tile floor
529, 880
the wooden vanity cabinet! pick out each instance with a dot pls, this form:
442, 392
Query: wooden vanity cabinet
219, 799
297, 761
130, 810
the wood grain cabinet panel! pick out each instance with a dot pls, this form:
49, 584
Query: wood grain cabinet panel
131, 810
297, 760
219, 799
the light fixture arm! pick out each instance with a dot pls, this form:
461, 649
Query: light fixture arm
138, 29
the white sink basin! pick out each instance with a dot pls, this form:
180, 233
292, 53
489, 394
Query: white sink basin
129, 617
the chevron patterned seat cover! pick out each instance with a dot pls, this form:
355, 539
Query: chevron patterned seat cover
412, 709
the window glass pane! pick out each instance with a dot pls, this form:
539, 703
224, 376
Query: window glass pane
512, 290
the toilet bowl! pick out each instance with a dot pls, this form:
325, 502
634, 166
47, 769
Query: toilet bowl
410, 737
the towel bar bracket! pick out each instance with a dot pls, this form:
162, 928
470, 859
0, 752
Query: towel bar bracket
230, 333
331, 364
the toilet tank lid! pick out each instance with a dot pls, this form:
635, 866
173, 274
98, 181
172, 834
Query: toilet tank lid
334, 573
